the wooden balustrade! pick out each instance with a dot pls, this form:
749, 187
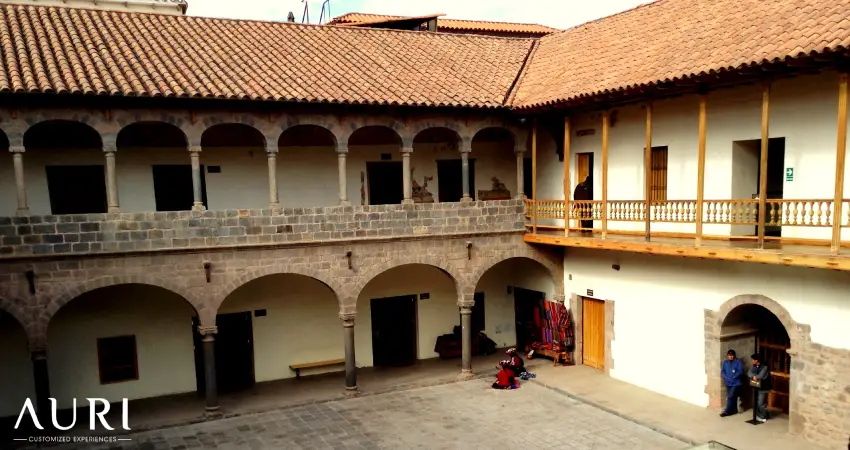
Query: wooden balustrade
731, 212
780, 212
799, 213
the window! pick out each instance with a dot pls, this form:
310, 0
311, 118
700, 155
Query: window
658, 175
172, 187
76, 189
116, 359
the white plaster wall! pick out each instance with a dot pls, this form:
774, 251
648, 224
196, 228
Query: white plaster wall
162, 324
803, 111
16, 374
301, 325
307, 176
660, 302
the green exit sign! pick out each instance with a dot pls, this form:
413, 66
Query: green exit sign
789, 174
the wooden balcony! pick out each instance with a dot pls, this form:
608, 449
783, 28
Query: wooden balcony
732, 229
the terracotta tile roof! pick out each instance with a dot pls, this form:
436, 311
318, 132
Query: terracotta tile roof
451, 24
84, 51
674, 39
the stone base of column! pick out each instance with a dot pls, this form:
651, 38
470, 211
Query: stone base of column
352, 391
275, 207
344, 203
212, 412
521, 197
113, 209
465, 374
466, 200
407, 201
199, 208
23, 212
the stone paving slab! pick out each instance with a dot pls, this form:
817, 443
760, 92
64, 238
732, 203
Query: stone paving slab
464, 415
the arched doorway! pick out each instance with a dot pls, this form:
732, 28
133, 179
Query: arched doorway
16, 376
402, 312
272, 323
510, 295
65, 168
752, 328
129, 341
382, 178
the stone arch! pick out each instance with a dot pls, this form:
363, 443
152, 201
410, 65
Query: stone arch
392, 136
372, 272
493, 128
11, 307
799, 335
32, 139
280, 269
168, 131
554, 270
67, 295
333, 140
247, 130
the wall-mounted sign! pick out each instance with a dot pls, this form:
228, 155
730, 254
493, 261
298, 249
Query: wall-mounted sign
424, 296
586, 132
789, 174
590, 292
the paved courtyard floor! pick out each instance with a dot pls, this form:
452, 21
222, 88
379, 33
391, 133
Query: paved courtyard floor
464, 415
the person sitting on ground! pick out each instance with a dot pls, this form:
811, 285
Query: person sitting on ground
505, 379
517, 365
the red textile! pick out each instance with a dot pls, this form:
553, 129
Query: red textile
505, 378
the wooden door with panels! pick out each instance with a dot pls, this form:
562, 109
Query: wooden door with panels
593, 332
584, 167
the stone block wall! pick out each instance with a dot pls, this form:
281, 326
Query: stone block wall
129, 232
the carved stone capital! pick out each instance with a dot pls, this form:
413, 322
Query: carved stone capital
347, 319
38, 351
208, 331
341, 150
406, 150
465, 306
17, 149
195, 149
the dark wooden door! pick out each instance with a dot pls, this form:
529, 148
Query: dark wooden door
450, 180
525, 302
172, 187
76, 189
593, 332
394, 330
584, 168
386, 182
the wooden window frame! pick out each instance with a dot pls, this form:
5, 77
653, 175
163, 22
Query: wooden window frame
658, 174
135, 359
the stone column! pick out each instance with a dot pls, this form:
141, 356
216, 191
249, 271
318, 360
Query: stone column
342, 153
195, 155
466, 337
210, 383
42, 381
405, 168
465, 149
111, 180
520, 172
350, 361
18, 159
274, 200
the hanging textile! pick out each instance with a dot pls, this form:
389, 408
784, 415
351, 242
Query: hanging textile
555, 326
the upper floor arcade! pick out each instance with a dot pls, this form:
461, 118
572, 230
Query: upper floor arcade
752, 172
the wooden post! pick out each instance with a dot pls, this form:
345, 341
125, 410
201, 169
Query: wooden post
765, 135
703, 100
840, 154
606, 119
647, 171
567, 189
534, 174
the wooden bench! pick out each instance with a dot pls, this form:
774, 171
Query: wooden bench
313, 365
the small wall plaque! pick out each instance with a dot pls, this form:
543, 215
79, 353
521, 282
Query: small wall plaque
425, 296
586, 132
590, 292
260, 313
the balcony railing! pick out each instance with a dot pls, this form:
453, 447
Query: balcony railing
812, 213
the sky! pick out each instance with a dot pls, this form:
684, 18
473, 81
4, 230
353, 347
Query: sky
554, 13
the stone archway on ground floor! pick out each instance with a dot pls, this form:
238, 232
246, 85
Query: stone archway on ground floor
729, 320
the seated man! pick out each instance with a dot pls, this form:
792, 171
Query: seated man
505, 379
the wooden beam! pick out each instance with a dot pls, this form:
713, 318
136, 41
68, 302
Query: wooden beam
765, 136
567, 189
840, 154
534, 173
647, 169
703, 100
730, 253
606, 122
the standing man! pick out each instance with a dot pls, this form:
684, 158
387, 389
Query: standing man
732, 372
759, 376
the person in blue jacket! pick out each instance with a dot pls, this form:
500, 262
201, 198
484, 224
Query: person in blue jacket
732, 372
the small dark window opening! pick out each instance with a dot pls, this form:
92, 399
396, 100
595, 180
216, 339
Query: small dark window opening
117, 359
172, 187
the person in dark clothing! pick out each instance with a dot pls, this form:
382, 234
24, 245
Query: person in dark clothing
584, 191
505, 379
732, 372
759, 376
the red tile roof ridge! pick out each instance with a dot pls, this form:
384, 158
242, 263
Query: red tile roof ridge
609, 16
442, 19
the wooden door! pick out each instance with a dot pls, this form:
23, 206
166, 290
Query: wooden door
593, 332
584, 167
393, 331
